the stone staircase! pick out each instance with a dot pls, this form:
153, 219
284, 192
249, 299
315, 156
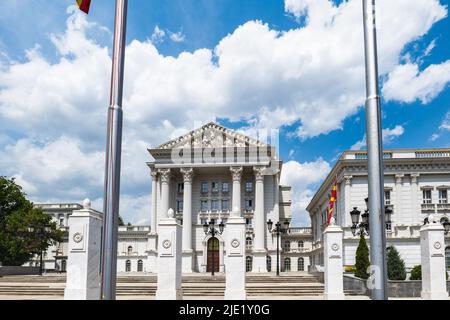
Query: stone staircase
258, 285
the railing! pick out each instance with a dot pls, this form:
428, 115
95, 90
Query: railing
428, 207
300, 230
432, 154
443, 207
363, 155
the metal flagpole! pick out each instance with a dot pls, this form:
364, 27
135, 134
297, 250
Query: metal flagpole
375, 157
113, 155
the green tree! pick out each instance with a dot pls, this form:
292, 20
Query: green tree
395, 265
362, 259
17, 243
416, 273
121, 223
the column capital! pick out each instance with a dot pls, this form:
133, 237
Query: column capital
165, 174
259, 173
348, 180
188, 174
154, 175
414, 177
236, 173
399, 178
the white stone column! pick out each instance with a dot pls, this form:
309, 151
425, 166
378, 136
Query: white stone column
417, 218
169, 259
83, 264
398, 197
188, 174
165, 176
152, 252
259, 251
235, 259
333, 268
432, 244
236, 173
347, 209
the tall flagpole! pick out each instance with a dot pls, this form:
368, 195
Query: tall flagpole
113, 157
375, 158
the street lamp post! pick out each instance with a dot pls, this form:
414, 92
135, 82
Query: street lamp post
278, 230
363, 227
38, 232
210, 229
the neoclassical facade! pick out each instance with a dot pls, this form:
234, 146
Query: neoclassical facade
416, 184
207, 174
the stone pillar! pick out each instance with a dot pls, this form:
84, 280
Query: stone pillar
333, 268
259, 251
152, 252
188, 174
236, 173
398, 198
83, 264
414, 201
432, 244
165, 176
169, 259
235, 259
347, 209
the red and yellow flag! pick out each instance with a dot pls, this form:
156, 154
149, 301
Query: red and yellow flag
84, 5
332, 201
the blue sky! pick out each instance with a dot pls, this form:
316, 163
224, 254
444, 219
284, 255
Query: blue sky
293, 65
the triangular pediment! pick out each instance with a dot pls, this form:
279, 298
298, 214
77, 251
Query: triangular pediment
212, 135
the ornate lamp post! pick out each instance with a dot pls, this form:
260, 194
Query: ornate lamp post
444, 221
278, 230
210, 229
38, 232
363, 226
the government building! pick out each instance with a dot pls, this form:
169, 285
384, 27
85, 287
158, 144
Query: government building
416, 184
204, 176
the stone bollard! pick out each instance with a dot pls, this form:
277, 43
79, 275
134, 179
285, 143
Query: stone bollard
333, 273
235, 259
169, 259
83, 265
432, 244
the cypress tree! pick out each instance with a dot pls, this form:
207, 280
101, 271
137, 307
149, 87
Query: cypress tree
362, 259
395, 265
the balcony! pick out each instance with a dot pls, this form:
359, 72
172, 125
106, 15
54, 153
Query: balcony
428, 207
300, 230
443, 207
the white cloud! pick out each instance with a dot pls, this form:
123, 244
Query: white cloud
157, 35
177, 36
304, 178
263, 76
445, 126
407, 84
389, 135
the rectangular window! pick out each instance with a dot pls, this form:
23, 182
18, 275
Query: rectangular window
204, 205
180, 206
426, 196
214, 187
225, 187
202, 221
248, 222
226, 205
61, 222
443, 196
204, 187
248, 204
180, 187
215, 205
248, 186
387, 197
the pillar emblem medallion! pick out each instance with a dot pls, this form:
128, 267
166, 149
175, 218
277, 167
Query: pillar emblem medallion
235, 243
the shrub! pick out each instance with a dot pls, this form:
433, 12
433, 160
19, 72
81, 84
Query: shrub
416, 273
395, 265
362, 259
350, 269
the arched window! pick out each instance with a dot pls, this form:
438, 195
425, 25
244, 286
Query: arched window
287, 264
287, 245
248, 264
301, 264
269, 263
301, 244
128, 266
249, 241
140, 266
130, 250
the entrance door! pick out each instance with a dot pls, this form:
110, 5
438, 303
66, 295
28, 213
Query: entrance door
213, 255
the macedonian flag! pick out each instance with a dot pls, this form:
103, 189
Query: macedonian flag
84, 5
332, 201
